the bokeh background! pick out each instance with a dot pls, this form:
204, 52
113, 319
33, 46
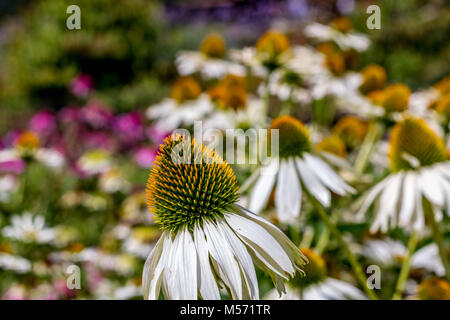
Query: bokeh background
83, 94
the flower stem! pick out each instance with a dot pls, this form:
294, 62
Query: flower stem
406, 266
437, 236
374, 133
352, 259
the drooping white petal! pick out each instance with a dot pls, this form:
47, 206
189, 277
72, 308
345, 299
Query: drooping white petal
262, 244
312, 183
188, 267
419, 219
430, 185
288, 192
292, 250
221, 251
207, 283
408, 201
388, 204
343, 289
327, 175
243, 257
372, 194
263, 188
153, 268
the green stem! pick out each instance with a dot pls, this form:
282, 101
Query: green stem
437, 236
325, 235
374, 133
352, 259
406, 267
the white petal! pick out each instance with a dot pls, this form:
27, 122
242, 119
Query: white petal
388, 204
312, 183
207, 282
244, 258
327, 175
408, 200
430, 185
288, 193
188, 267
262, 188
266, 248
221, 251
151, 277
372, 194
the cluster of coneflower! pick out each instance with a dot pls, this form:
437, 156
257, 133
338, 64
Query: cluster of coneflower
353, 148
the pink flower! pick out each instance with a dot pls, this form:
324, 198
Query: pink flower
157, 136
145, 156
43, 122
82, 85
96, 115
69, 114
16, 292
129, 127
12, 166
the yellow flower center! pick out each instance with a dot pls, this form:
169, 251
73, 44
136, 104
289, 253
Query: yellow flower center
341, 24
315, 269
28, 140
374, 78
189, 183
333, 144
271, 44
395, 98
293, 136
351, 129
213, 46
413, 144
186, 88
434, 289
230, 93
443, 106
444, 85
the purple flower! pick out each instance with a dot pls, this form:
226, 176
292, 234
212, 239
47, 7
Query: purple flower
145, 156
43, 122
69, 114
157, 136
96, 115
82, 85
129, 127
12, 166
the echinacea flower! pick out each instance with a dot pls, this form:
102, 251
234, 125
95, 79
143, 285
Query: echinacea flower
419, 170
208, 241
296, 168
316, 285
209, 61
434, 288
14, 263
187, 105
29, 228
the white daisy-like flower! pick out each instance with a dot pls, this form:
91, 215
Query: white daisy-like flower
428, 258
95, 162
295, 169
186, 105
113, 181
29, 228
208, 241
317, 285
419, 170
248, 57
250, 116
14, 263
385, 252
209, 60
8, 185
348, 40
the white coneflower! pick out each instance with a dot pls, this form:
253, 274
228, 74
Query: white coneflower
209, 61
8, 185
14, 263
95, 162
384, 252
29, 228
208, 240
420, 170
316, 285
186, 105
296, 166
339, 32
